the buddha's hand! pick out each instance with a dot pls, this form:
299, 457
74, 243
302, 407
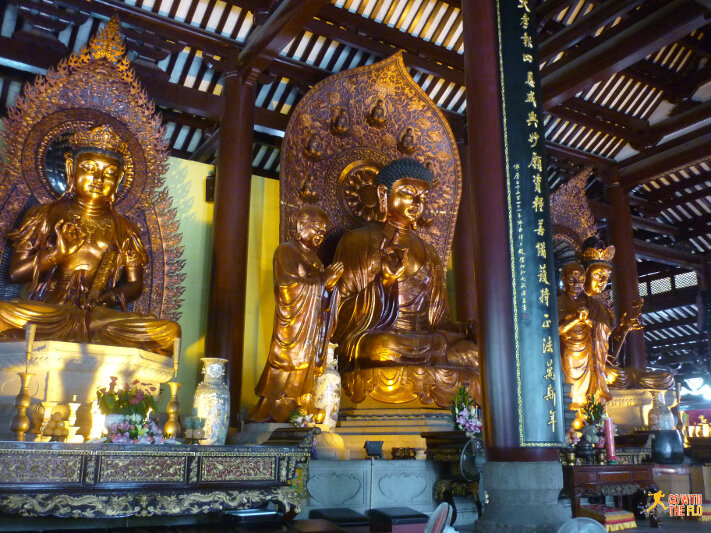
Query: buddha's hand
630, 322
70, 238
393, 261
333, 274
112, 298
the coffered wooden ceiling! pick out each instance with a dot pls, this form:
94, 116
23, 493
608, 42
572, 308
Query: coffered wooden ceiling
626, 89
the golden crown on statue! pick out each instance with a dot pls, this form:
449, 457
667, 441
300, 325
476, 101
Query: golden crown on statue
595, 255
101, 138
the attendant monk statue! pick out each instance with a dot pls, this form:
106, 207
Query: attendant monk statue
305, 316
80, 258
582, 367
393, 292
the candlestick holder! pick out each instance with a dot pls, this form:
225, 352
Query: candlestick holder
21, 422
610, 441
172, 426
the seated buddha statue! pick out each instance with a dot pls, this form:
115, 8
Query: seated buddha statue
80, 258
394, 303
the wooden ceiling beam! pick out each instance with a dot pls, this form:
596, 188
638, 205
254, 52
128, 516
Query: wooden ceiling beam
696, 227
671, 156
578, 156
607, 114
666, 191
670, 300
268, 40
659, 77
675, 323
664, 26
691, 115
39, 57
549, 9
674, 201
375, 38
582, 27
666, 255
187, 34
385, 49
602, 211
571, 112
687, 340
393, 36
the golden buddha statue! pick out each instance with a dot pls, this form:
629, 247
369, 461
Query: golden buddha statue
584, 327
79, 258
394, 301
304, 319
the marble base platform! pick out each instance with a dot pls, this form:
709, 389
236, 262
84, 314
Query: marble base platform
62, 370
629, 408
367, 484
397, 427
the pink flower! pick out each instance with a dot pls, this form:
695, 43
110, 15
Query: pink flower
135, 382
133, 401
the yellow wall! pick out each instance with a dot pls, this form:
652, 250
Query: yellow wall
259, 309
186, 182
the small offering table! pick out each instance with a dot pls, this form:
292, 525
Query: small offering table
114, 480
606, 480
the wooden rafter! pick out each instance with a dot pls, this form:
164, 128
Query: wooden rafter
664, 26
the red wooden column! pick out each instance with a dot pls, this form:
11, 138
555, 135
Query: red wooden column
625, 281
463, 252
493, 264
230, 232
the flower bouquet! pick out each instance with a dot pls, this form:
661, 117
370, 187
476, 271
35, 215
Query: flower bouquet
135, 431
127, 401
132, 405
301, 420
465, 413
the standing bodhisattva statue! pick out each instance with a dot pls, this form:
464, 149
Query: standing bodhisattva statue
80, 258
586, 326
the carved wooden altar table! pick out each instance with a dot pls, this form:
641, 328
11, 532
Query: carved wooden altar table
114, 480
606, 480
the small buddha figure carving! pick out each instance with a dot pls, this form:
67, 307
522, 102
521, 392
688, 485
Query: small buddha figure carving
377, 116
340, 125
305, 317
394, 303
406, 144
308, 192
313, 149
81, 259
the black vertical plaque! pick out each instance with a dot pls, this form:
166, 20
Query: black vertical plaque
538, 369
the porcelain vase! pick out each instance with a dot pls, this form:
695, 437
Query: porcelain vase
212, 401
112, 419
327, 393
660, 416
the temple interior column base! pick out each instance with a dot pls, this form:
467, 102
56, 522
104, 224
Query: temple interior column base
523, 497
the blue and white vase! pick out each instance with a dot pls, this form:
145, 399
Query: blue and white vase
212, 401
